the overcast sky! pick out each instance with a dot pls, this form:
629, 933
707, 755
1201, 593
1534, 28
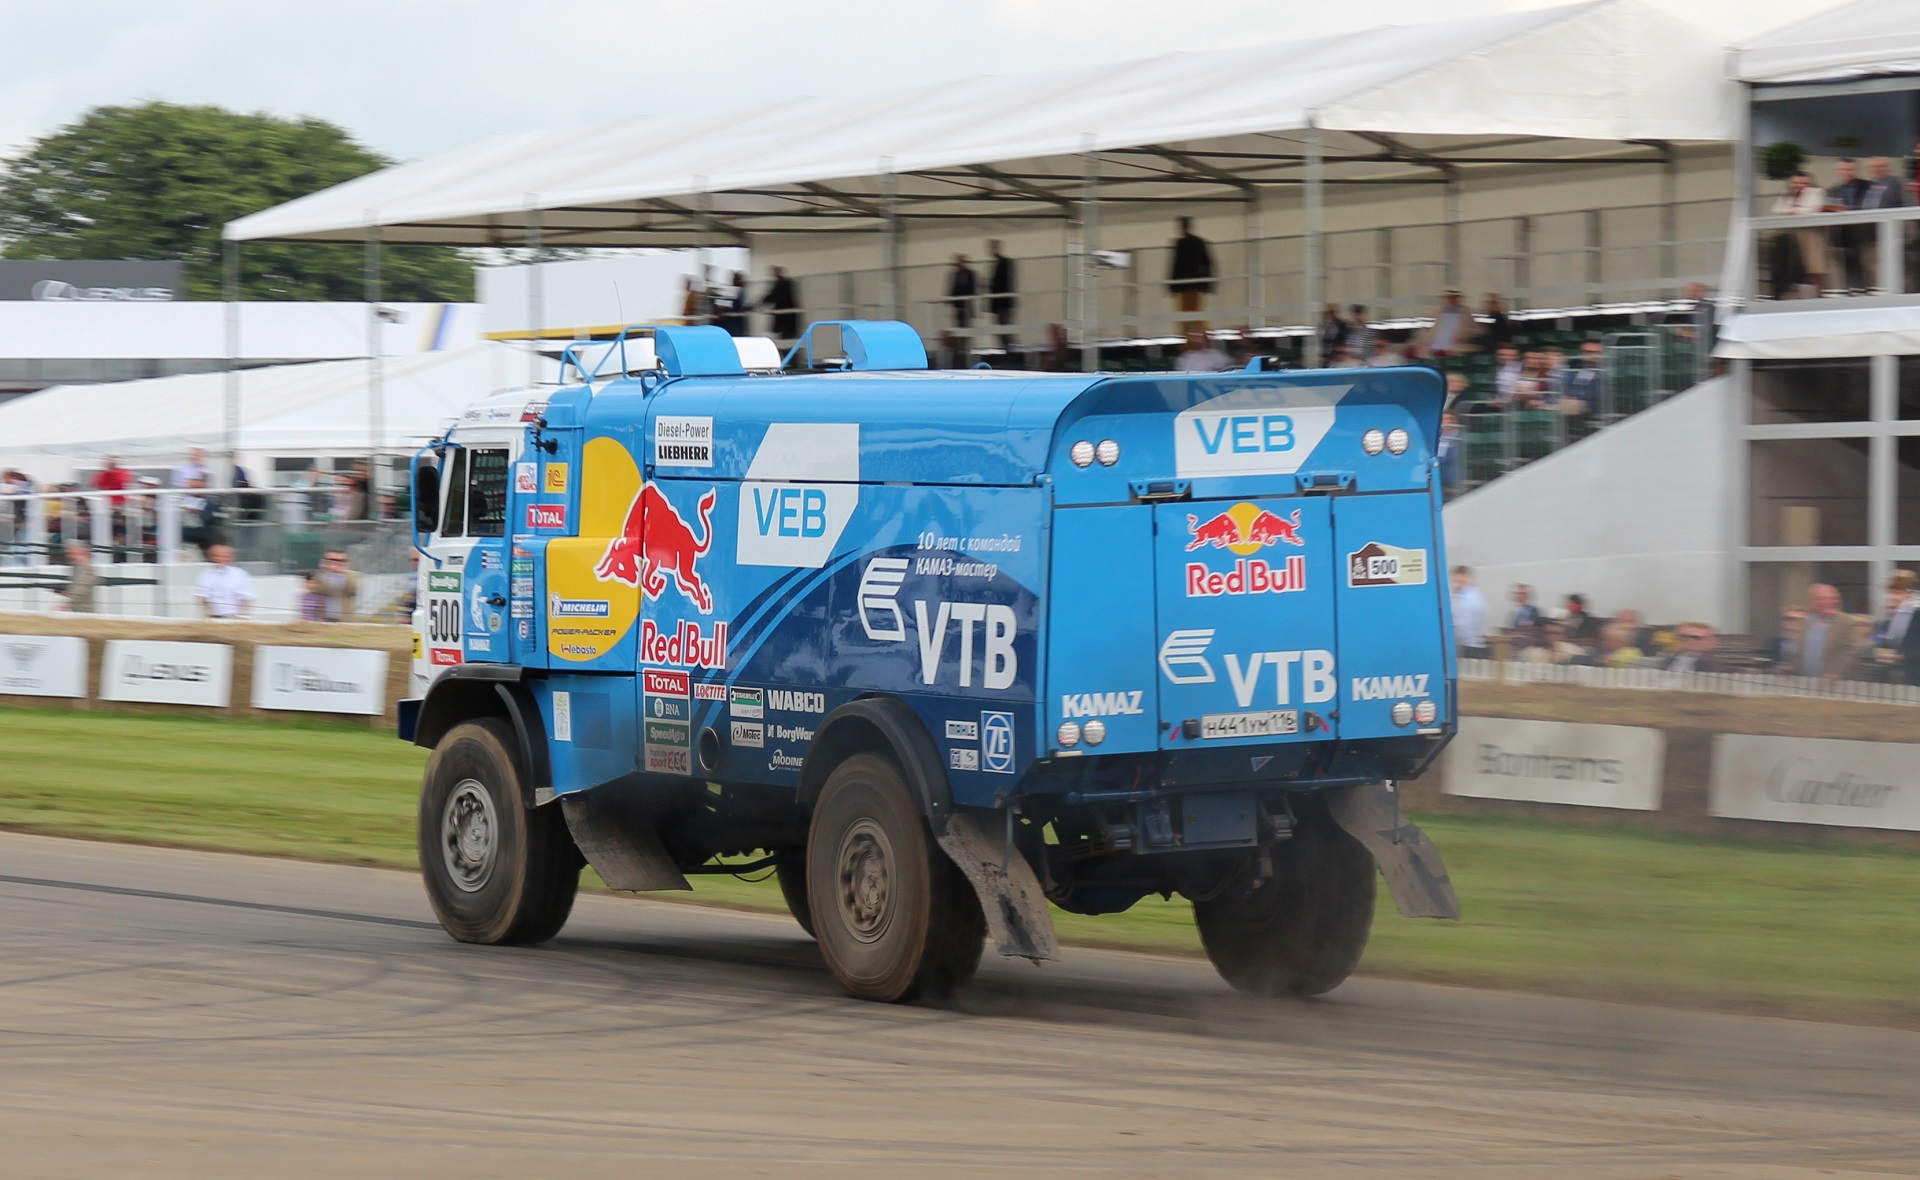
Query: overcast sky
412, 77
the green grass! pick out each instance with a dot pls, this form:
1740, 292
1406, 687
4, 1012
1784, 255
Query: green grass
1598, 911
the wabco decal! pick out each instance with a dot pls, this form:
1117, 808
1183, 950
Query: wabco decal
799, 492
1375, 564
883, 621
687, 646
1101, 704
786, 700
1266, 431
656, 541
1245, 529
1388, 688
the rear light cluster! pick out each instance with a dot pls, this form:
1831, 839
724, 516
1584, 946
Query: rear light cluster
1406, 712
1376, 440
1083, 453
1070, 733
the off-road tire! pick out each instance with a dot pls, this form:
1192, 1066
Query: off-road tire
1302, 931
790, 869
894, 917
520, 889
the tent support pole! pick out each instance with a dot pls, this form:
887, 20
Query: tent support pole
376, 375
1312, 281
230, 415
1456, 189
1256, 281
704, 228
1089, 276
1670, 214
890, 247
536, 310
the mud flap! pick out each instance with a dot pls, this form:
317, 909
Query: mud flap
627, 855
1015, 905
1407, 859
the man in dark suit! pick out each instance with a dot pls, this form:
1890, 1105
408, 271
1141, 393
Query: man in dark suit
1850, 241
783, 300
1190, 278
1000, 286
962, 286
1882, 190
1696, 652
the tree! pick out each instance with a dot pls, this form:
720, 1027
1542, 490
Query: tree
159, 181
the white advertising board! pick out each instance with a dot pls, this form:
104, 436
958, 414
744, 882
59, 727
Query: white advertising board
320, 679
166, 673
1816, 781
43, 666
1614, 766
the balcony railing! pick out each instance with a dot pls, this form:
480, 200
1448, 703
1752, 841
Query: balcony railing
1793, 258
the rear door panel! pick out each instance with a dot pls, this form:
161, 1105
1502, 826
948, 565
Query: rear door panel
1391, 637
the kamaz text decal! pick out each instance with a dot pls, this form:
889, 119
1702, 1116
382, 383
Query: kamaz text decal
1388, 688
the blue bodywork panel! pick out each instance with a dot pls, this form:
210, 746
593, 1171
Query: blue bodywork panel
705, 563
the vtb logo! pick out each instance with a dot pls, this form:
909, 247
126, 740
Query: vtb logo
1244, 529
656, 541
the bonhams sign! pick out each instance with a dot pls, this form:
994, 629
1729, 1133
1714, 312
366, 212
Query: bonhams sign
167, 673
1816, 781
320, 679
43, 666
1556, 762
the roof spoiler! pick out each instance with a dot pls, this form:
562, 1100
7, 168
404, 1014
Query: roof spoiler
865, 345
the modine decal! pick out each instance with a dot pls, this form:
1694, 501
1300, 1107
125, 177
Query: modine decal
1265, 431
799, 493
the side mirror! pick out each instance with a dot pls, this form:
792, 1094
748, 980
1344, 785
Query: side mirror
426, 498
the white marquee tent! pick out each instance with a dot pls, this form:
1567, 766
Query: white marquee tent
285, 410
1863, 38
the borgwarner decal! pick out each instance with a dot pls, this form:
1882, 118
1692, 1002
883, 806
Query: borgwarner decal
1245, 530
1268, 430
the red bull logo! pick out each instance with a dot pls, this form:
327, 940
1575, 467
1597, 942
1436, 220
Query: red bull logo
1244, 530
656, 542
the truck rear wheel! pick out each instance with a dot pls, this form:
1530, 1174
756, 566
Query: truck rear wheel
790, 869
496, 872
1302, 930
894, 917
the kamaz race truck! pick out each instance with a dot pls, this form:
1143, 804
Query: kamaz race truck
935, 648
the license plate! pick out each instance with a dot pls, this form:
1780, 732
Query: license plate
1272, 723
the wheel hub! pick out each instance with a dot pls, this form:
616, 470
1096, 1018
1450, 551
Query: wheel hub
469, 836
865, 874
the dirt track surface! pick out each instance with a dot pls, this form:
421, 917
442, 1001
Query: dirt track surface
188, 1014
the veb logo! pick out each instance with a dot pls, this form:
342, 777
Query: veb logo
996, 742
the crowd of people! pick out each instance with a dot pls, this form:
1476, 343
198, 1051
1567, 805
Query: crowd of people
1819, 640
1840, 259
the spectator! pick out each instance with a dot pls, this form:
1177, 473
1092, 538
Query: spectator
312, 603
1469, 616
115, 478
1642, 637
730, 305
1359, 334
200, 518
1333, 329
1497, 332
1342, 359
951, 353
1847, 194
1506, 375
783, 301
358, 485
1798, 258
1200, 355
1456, 388
14, 515
1452, 329
1553, 647
1525, 617
1890, 633
1384, 354
1000, 292
1784, 648
194, 468
1829, 639
1190, 277
1881, 191
962, 286
1531, 389
1617, 648
1581, 627
1447, 453
224, 589
1696, 654
1587, 383
83, 580
340, 583
1058, 358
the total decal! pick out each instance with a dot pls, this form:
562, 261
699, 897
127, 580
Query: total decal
1245, 530
982, 634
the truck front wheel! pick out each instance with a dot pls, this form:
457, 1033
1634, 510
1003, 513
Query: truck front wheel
893, 916
496, 871
1302, 930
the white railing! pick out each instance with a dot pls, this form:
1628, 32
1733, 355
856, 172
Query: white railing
1752, 684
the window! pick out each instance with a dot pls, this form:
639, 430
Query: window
1808, 491
487, 494
453, 521
1810, 391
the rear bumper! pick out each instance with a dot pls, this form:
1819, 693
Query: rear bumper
1296, 766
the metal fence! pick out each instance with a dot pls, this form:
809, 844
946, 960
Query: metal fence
1751, 684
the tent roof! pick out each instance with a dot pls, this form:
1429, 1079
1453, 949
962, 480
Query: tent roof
1865, 37
292, 409
1400, 104
1827, 332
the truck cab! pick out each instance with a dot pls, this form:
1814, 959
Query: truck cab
938, 648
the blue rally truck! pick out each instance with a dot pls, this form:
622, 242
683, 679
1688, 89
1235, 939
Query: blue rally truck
935, 648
